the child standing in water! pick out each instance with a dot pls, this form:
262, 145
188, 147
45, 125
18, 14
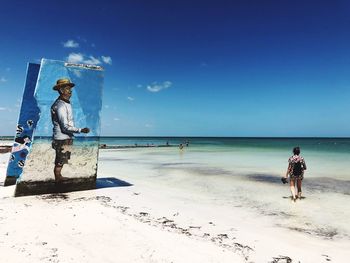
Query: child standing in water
295, 170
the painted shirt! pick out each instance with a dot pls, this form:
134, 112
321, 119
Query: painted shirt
62, 120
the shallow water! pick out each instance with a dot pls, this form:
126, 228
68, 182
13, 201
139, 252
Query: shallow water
248, 175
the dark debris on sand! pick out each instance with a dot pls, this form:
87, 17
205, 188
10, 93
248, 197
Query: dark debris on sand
54, 197
281, 259
223, 240
327, 258
321, 232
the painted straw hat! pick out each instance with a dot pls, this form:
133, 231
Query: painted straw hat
62, 83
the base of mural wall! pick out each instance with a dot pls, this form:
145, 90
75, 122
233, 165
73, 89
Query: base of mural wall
10, 181
48, 187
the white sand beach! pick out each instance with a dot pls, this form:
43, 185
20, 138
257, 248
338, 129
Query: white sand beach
158, 211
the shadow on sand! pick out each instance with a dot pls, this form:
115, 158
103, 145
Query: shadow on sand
110, 182
312, 184
266, 178
68, 185
291, 197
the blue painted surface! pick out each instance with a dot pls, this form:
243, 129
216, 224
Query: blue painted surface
35, 124
86, 99
27, 121
86, 103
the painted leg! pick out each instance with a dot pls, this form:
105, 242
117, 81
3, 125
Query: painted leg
57, 171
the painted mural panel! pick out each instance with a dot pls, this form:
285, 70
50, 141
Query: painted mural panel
64, 149
28, 118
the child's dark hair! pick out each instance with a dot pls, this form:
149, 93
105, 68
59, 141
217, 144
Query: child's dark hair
296, 150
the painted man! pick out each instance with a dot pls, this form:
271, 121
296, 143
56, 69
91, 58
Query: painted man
63, 126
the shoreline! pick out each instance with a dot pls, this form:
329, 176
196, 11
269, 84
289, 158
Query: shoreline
104, 146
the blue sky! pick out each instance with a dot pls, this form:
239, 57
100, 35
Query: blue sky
192, 68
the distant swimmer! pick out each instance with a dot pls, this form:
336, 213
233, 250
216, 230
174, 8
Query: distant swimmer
181, 146
295, 171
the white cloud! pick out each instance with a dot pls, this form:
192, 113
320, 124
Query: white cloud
2, 79
71, 44
155, 87
80, 58
107, 60
2, 108
75, 58
116, 119
92, 60
131, 98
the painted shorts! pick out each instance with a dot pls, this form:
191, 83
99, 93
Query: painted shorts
62, 148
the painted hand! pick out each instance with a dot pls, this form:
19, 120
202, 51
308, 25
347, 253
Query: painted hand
85, 130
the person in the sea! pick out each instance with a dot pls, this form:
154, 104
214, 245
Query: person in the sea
295, 171
63, 126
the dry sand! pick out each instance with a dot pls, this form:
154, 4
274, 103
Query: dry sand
94, 226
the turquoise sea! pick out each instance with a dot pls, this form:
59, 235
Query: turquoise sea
328, 145
325, 157
331, 145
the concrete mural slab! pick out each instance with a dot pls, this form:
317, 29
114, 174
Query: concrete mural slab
64, 146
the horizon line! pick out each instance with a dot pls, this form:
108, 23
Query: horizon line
198, 136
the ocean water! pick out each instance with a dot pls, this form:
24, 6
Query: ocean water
325, 157
246, 172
